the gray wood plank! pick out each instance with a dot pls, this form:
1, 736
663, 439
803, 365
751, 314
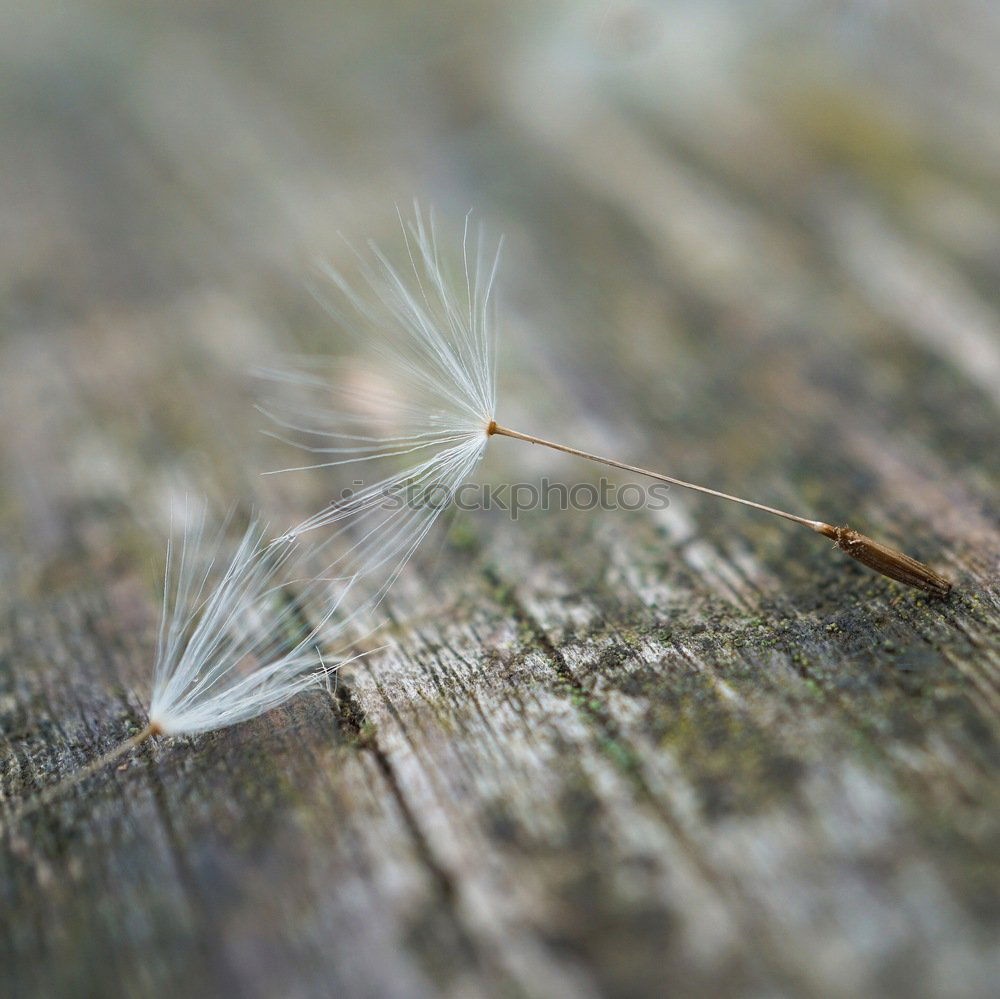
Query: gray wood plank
684, 751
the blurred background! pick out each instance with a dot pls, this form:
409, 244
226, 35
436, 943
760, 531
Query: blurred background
698, 198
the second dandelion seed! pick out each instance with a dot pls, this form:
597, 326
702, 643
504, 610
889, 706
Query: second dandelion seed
433, 397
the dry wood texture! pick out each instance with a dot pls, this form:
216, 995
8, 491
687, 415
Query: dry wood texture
681, 752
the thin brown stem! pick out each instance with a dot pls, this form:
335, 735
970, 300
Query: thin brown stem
874, 554
816, 525
54, 791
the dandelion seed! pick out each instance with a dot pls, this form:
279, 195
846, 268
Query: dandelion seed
433, 403
438, 336
233, 641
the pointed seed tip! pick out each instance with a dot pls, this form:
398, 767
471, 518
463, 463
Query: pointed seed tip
891, 562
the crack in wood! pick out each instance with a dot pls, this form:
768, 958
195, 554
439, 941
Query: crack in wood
363, 737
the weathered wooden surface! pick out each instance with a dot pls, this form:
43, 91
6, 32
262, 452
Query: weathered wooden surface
689, 752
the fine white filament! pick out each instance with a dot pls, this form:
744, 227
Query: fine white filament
233, 642
428, 401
